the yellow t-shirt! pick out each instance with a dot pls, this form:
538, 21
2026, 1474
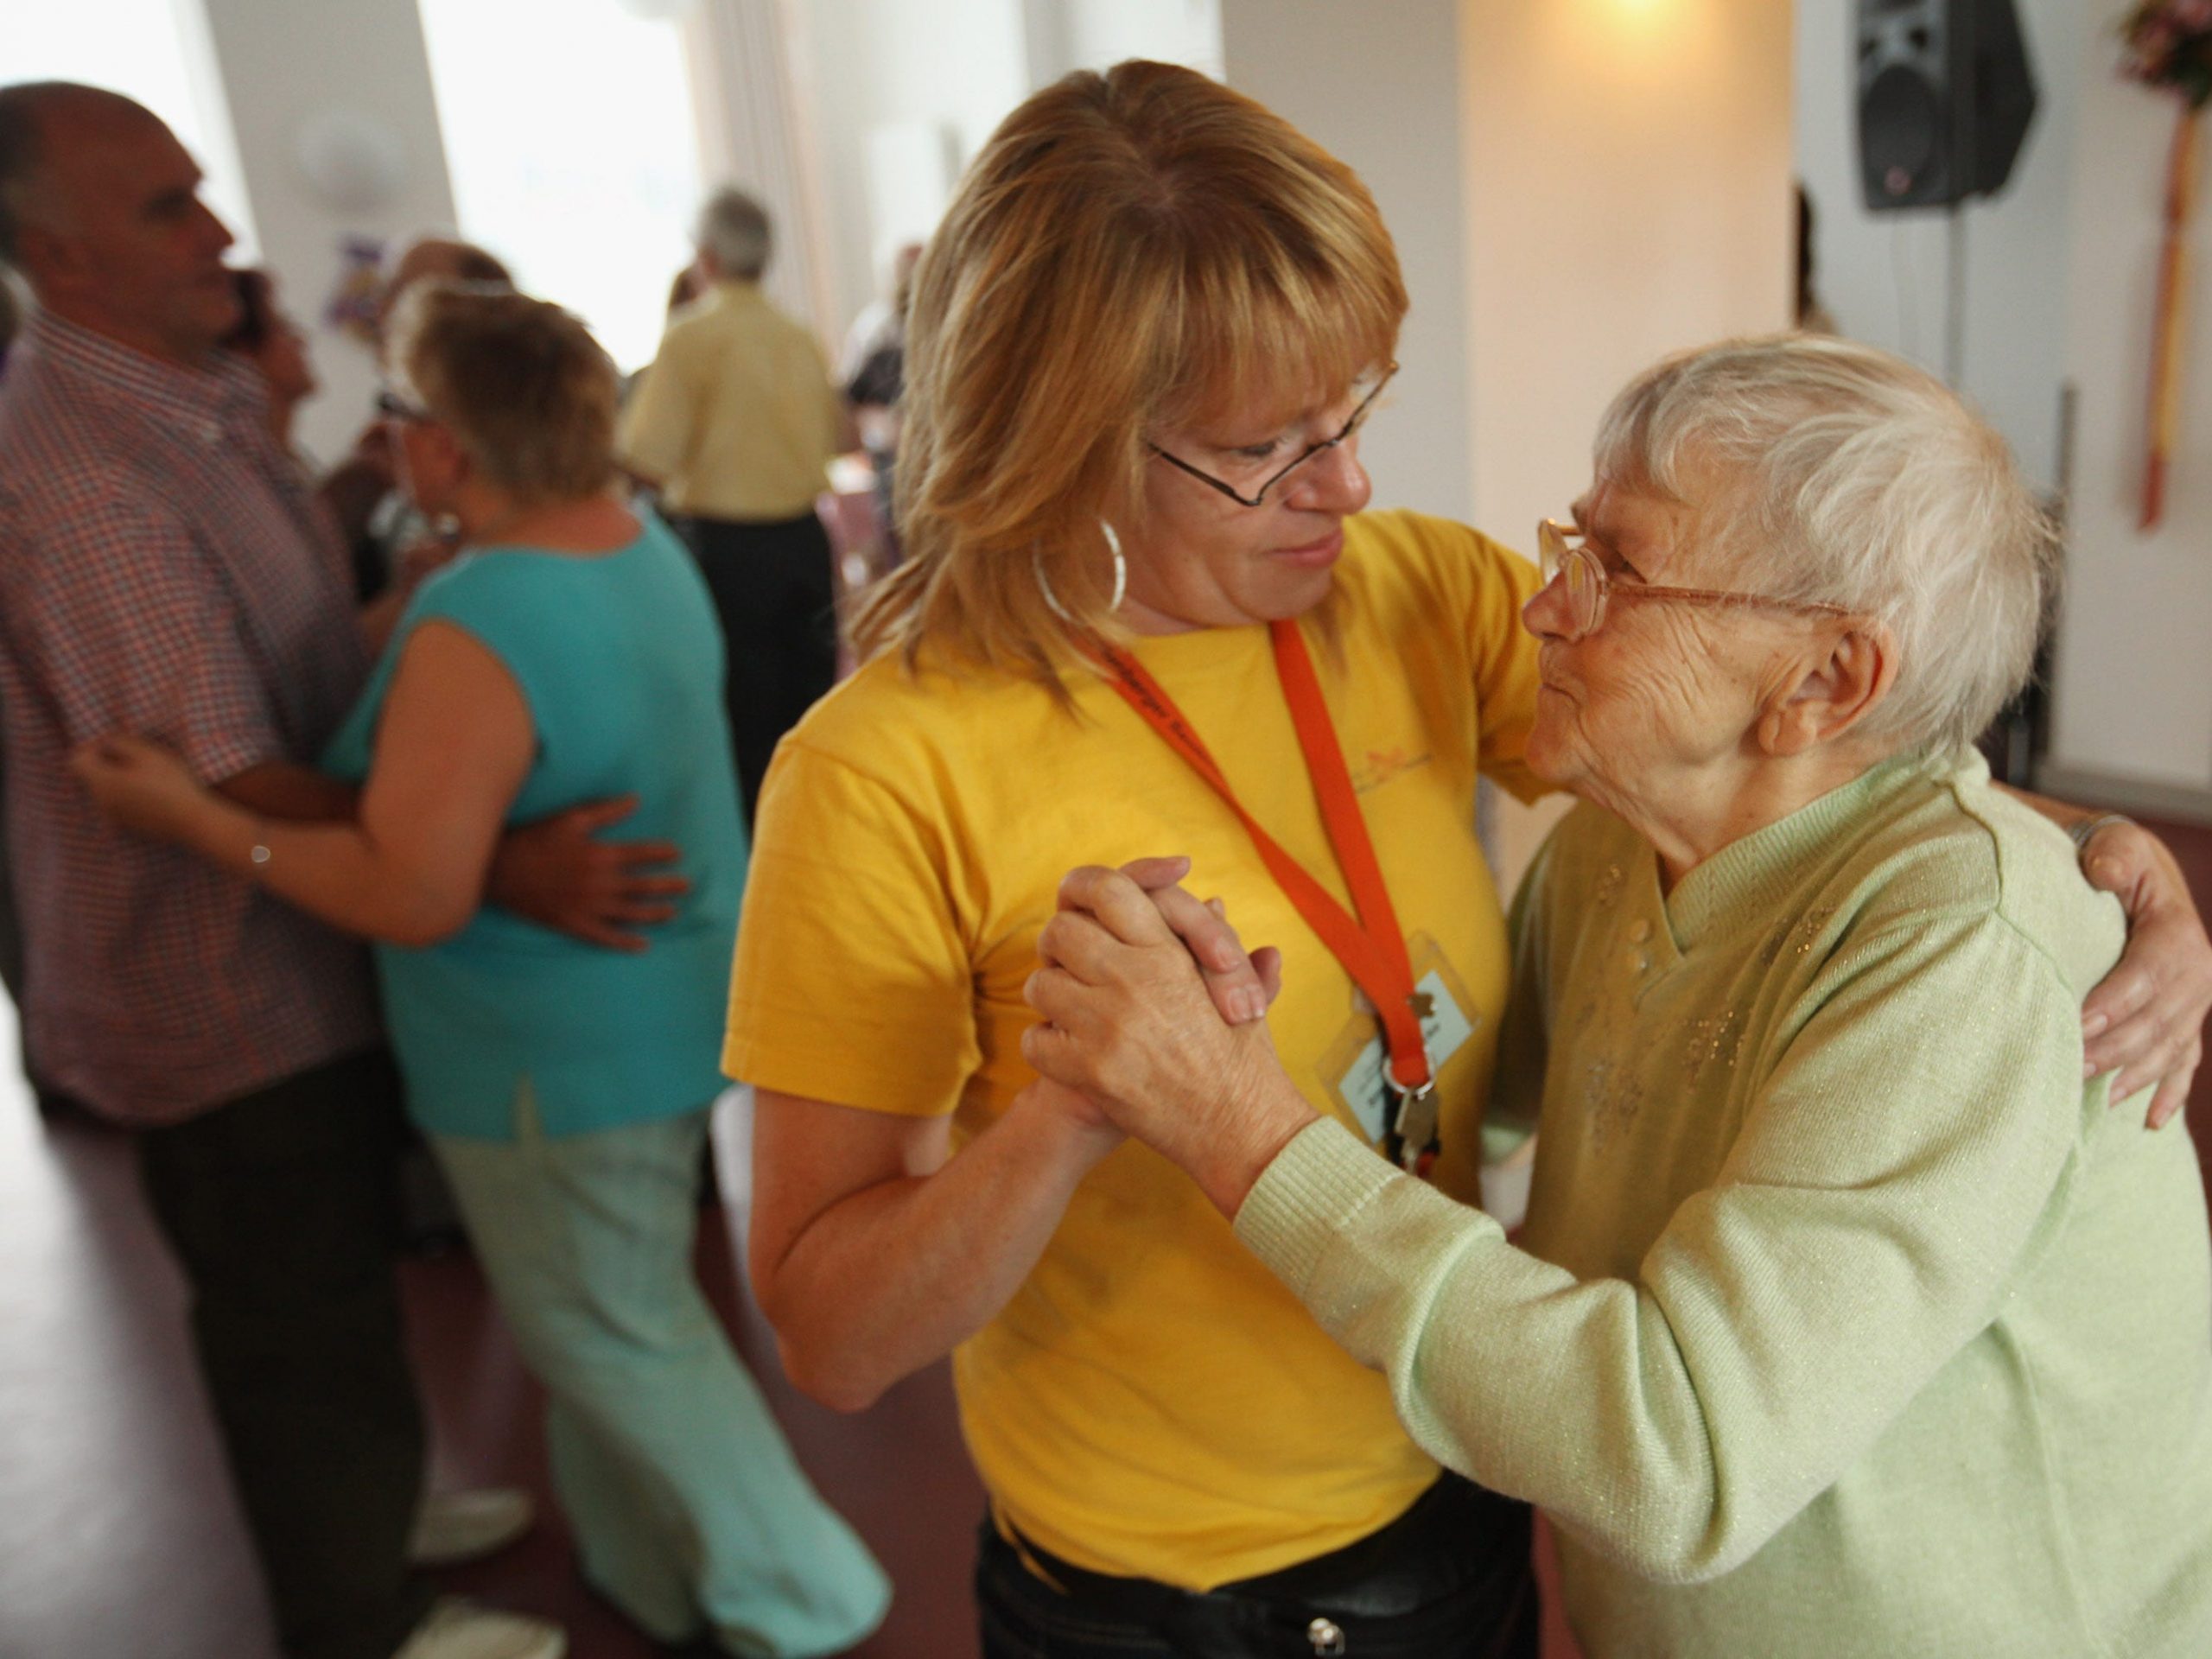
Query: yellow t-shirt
1151, 1401
736, 416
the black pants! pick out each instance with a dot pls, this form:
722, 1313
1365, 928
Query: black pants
1450, 1579
772, 591
280, 1207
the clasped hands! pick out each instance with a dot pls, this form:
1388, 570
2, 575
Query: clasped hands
1153, 1025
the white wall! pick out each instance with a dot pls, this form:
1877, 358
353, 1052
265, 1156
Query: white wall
899, 95
2060, 277
281, 62
1379, 87
1627, 167
1097, 34
1885, 276
2134, 686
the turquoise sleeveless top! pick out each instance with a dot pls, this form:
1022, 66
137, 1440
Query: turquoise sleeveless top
620, 661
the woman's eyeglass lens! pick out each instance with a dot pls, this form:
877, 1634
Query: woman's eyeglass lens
1259, 496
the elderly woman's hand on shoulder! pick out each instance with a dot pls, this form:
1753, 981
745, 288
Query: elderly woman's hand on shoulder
2146, 1020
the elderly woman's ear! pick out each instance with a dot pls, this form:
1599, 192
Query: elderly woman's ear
1832, 691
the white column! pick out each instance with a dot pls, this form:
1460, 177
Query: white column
280, 64
1379, 87
754, 133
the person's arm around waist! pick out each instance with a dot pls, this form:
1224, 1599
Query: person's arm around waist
452, 748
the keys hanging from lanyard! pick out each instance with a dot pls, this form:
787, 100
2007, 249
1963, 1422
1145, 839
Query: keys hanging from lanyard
1369, 943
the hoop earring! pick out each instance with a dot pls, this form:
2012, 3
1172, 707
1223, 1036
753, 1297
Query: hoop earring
1121, 565
1052, 600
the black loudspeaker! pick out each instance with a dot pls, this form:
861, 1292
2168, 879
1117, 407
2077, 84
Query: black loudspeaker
1946, 96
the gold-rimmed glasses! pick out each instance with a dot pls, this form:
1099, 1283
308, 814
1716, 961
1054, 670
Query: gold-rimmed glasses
1567, 560
1259, 496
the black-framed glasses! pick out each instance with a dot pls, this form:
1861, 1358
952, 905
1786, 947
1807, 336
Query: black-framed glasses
392, 407
1259, 496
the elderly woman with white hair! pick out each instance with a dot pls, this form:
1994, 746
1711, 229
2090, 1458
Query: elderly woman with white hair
1847, 1318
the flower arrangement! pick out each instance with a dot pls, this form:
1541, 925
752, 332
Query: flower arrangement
2168, 46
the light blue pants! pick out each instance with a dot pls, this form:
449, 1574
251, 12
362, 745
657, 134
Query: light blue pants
690, 1511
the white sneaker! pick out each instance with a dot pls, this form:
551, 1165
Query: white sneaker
452, 1528
454, 1629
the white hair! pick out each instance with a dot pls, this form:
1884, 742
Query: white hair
734, 228
1821, 469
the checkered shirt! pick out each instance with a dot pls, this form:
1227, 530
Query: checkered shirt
163, 569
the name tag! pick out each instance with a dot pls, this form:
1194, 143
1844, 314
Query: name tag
1445, 1027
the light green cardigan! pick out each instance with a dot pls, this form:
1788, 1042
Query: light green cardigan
1847, 1320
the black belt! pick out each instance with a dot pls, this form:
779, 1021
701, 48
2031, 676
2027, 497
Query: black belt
1454, 1535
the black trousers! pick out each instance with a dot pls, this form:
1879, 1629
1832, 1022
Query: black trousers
774, 592
1450, 1579
281, 1205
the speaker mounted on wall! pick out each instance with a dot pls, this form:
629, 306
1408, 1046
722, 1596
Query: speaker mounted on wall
1946, 96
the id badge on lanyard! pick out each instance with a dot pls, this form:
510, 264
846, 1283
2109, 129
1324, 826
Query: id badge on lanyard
1369, 942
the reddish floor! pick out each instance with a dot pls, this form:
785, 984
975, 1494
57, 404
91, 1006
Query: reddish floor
117, 1536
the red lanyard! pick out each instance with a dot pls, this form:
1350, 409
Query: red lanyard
1370, 945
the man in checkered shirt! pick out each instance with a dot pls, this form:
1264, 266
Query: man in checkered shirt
164, 569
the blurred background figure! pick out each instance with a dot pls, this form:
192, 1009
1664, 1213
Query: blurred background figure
735, 423
1813, 317
565, 1088
381, 527
11, 319
267, 337
873, 373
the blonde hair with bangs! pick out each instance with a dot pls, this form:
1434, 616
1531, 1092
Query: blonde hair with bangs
521, 383
1130, 251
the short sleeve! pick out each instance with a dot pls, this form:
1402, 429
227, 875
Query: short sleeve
119, 619
657, 429
1504, 655
496, 603
853, 982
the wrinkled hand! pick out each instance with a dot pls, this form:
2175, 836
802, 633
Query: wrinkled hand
138, 783
2146, 1019
558, 873
1243, 987
1130, 1026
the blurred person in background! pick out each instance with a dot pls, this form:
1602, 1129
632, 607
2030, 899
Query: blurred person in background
873, 373
568, 655
385, 532
267, 338
735, 424
11, 318
164, 567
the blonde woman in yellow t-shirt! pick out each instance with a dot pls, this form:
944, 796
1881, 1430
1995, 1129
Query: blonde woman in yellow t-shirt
1138, 352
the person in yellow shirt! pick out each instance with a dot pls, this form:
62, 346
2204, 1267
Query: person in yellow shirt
734, 423
1143, 606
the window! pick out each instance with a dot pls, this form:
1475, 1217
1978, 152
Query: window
573, 152
155, 51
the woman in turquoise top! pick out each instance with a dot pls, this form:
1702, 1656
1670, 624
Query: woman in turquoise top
571, 655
